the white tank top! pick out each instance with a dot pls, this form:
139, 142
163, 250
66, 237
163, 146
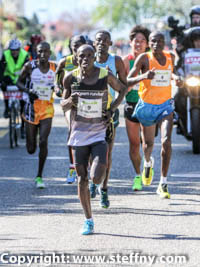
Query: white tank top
43, 83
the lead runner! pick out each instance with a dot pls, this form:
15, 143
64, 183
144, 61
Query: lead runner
86, 94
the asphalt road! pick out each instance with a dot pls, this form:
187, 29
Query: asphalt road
43, 226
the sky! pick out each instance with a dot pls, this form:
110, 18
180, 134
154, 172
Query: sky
48, 10
51, 9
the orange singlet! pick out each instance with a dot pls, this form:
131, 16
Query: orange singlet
157, 90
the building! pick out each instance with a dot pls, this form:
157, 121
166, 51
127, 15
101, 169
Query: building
13, 7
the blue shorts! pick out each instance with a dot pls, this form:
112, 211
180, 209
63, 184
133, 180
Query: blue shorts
149, 114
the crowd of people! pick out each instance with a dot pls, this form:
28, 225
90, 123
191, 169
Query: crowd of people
92, 83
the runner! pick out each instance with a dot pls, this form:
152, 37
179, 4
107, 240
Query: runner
86, 94
37, 79
139, 43
66, 65
115, 64
155, 105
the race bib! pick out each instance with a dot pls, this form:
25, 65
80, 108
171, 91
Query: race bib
89, 108
91, 105
162, 78
43, 91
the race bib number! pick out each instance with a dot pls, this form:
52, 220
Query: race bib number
43, 91
162, 78
89, 108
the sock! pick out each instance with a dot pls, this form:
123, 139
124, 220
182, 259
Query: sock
71, 166
147, 164
163, 180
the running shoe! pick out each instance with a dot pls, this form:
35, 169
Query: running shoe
71, 176
88, 228
148, 173
39, 183
104, 202
93, 190
162, 190
137, 183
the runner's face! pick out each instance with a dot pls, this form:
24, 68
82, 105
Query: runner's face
139, 44
85, 58
43, 53
75, 45
156, 42
102, 43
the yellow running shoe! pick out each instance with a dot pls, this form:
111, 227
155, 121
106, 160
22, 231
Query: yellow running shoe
148, 173
162, 190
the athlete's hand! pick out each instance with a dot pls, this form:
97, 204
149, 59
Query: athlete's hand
58, 91
70, 102
150, 74
107, 115
33, 95
179, 81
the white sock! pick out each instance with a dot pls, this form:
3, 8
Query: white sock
71, 166
147, 163
163, 180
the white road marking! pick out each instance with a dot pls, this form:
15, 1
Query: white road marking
195, 175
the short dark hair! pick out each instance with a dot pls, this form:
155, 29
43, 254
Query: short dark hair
78, 38
44, 44
105, 32
139, 29
87, 46
158, 33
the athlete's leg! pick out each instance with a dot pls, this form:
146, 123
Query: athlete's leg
31, 137
166, 133
81, 156
133, 132
109, 164
148, 134
44, 131
98, 162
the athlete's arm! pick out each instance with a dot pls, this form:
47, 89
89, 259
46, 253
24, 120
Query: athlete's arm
121, 71
26, 71
126, 64
118, 86
60, 73
68, 100
141, 65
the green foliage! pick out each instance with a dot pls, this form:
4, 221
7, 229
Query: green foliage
117, 13
26, 27
20, 27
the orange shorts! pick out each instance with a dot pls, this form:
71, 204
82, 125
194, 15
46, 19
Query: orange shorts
40, 110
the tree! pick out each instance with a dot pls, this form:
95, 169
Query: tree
117, 13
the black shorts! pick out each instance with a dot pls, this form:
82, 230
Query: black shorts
128, 111
98, 152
